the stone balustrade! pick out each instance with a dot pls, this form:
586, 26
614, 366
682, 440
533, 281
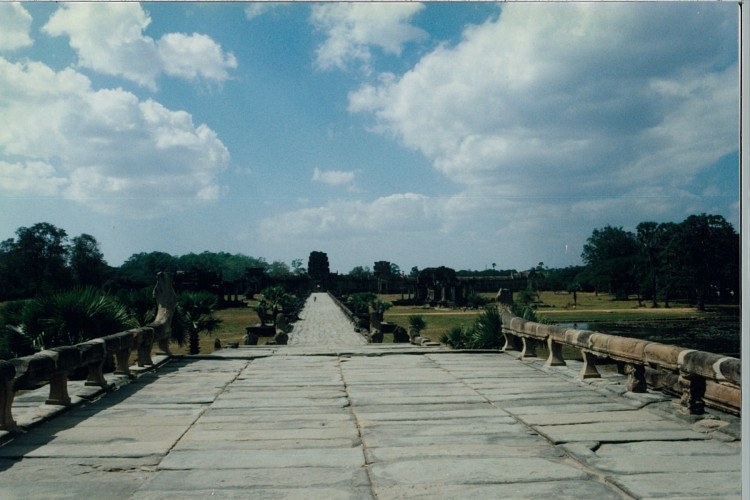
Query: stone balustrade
699, 378
361, 326
56, 364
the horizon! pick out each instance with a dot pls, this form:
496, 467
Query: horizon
420, 134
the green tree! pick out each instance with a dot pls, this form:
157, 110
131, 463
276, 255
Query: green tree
40, 254
140, 304
279, 269
272, 301
360, 302
360, 272
709, 249
297, 268
574, 288
193, 316
612, 256
648, 239
382, 269
87, 261
140, 269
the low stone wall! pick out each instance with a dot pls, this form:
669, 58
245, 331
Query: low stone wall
699, 378
364, 331
56, 364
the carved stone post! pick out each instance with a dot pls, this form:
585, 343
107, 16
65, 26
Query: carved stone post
693, 387
166, 301
555, 353
529, 350
144, 348
122, 366
58, 389
589, 367
636, 377
512, 343
96, 375
7, 372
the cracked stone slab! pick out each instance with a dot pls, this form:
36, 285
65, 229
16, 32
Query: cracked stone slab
244, 459
483, 470
559, 490
717, 485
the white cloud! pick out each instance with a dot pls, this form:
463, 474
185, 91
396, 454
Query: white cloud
15, 22
192, 56
333, 177
31, 178
255, 9
352, 28
390, 216
551, 100
101, 148
109, 39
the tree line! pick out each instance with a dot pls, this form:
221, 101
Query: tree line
697, 260
42, 259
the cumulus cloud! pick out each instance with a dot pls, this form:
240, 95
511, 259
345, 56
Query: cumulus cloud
558, 99
352, 28
333, 177
255, 9
104, 148
31, 178
15, 22
395, 214
109, 39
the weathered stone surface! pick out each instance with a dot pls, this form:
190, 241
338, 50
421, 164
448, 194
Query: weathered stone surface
309, 421
559, 490
471, 471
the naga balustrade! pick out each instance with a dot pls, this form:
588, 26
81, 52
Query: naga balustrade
54, 365
700, 378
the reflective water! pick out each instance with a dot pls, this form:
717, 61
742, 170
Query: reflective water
719, 335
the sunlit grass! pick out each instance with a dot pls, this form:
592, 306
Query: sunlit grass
231, 329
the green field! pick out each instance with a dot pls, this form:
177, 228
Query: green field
555, 306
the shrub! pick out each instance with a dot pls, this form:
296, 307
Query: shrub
457, 337
71, 317
194, 315
487, 331
476, 301
417, 322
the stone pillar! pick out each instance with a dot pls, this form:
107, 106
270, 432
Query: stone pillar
636, 377
555, 353
58, 389
122, 359
96, 374
589, 366
512, 343
528, 350
6, 403
693, 387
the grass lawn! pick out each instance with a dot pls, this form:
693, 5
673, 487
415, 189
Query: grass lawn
231, 329
555, 306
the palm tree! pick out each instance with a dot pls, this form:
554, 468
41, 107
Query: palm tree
194, 315
72, 317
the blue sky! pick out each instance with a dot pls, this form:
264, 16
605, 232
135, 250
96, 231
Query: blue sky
423, 134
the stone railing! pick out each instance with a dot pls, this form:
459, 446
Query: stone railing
360, 325
55, 364
699, 378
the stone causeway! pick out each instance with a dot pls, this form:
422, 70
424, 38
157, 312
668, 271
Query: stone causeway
330, 417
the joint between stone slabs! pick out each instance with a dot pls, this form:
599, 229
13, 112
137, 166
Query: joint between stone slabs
45, 413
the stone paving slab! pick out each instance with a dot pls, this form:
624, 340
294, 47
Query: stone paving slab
559, 490
370, 421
